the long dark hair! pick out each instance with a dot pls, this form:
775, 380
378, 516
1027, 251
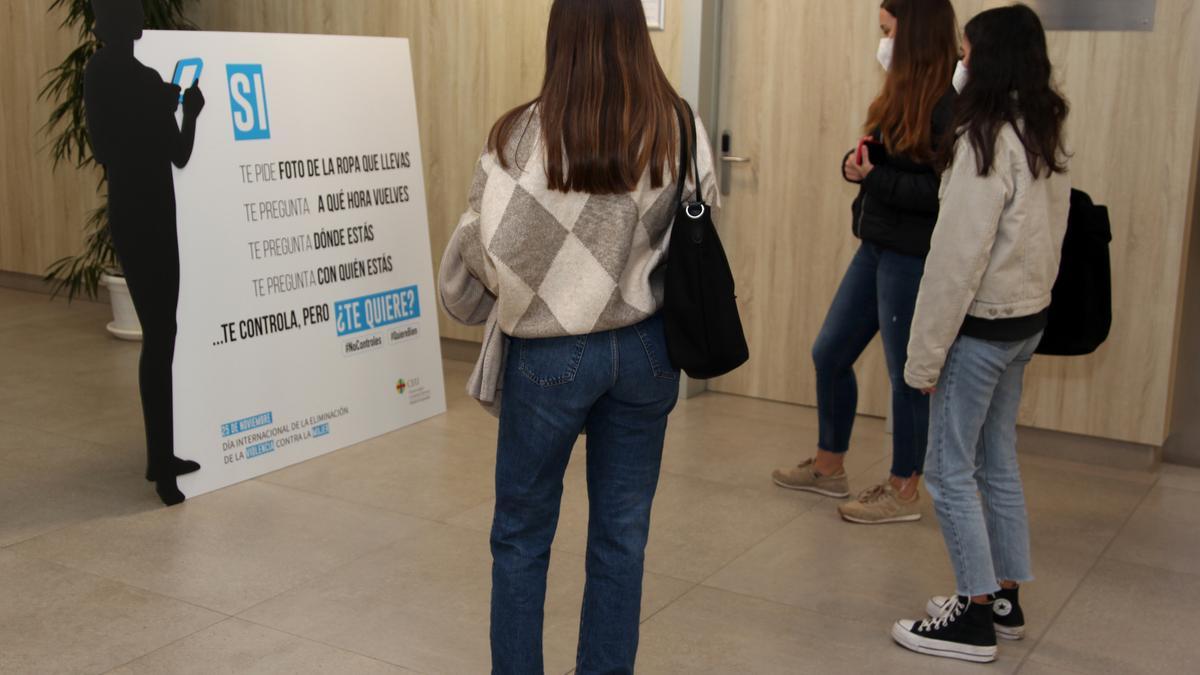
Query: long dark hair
607, 111
920, 74
1011, 83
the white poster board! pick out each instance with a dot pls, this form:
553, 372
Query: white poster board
307, 317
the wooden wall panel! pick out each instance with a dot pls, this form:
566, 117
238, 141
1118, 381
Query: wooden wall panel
41, 210
1132, 127
801, 96
1183, 441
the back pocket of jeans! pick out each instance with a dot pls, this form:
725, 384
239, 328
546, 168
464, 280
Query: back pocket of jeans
654, 339
549, 362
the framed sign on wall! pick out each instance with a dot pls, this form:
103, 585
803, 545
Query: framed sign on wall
655, 14
1097, 15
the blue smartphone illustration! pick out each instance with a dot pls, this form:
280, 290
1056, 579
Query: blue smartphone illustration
187, 71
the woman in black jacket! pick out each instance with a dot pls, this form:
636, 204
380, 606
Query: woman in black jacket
894, 215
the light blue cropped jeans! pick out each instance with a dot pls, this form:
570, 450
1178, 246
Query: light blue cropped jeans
971, 465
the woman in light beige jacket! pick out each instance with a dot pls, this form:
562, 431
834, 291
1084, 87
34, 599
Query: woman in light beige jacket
980, 314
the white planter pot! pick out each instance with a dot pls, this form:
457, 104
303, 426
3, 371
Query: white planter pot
125, 325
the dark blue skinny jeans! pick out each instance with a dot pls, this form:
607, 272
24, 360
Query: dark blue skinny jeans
877, 295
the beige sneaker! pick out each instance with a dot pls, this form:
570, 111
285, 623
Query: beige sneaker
881, 504
804, 478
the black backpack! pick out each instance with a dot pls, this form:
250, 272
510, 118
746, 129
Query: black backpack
703, 327
1080, 314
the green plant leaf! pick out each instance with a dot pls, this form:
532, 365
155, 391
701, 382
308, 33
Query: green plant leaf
68, 140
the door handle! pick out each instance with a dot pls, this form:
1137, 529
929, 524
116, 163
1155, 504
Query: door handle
728, 159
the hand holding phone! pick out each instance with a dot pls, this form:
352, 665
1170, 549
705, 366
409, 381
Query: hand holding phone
193, 100
870, 151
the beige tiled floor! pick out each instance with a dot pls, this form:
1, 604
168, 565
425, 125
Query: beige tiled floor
375, 559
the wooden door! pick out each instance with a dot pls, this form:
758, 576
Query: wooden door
796, 80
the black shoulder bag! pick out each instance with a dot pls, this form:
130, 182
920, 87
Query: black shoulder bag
703, 327
1080, 315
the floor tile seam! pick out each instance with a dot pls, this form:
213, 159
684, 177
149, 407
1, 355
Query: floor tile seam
260, 479
1030, 659
312, 578
383, 510
457, 514
1146, 566
1192, 491
739, 555
331, 645
1105, 552
691, 587
781, 604
60, 434
306, 579
38, 535
1082, 580
122, 582
119, 581
223, 619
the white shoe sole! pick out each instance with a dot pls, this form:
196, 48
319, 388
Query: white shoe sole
895, 519
1010, 632
816, 490
950, 650
1003, 632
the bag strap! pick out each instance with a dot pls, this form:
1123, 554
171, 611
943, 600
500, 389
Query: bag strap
681, 178
691, 120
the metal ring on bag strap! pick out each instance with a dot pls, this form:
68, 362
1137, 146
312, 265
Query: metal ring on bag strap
695, 216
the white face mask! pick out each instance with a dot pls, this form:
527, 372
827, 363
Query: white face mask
960, 77
886, 47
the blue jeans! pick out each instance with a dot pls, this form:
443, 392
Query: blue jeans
877, 295
620, 387
973, 475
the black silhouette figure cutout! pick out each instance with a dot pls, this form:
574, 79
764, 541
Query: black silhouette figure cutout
131, 119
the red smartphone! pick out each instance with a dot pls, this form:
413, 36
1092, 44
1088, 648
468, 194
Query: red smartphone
870, 148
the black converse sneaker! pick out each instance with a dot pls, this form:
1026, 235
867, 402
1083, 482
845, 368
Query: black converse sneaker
964, 631
1006, 612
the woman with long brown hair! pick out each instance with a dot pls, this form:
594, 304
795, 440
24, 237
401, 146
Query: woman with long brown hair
561, 253
894, 215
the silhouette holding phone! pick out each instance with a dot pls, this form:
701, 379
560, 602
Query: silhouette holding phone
187, 73
135, 137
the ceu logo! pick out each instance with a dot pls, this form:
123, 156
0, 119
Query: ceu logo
248, 101
401, 386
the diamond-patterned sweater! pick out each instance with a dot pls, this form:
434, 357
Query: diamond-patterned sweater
533, 262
